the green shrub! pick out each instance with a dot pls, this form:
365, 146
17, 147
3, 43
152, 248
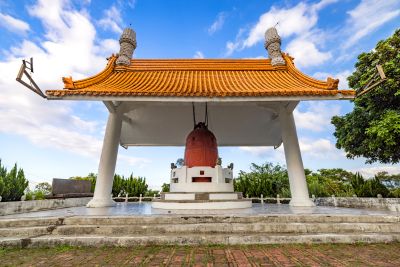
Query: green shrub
394, 193
43, 187
151, 193
1, 186
134, 186
14, 182
165, 187
34, 195
368, 188
266, 179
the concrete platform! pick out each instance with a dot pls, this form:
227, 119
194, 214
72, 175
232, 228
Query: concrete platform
130, 224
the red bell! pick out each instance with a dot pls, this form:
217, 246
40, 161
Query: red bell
201, 147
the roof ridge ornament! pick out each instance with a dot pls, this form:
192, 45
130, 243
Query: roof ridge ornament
127, 43
273, 45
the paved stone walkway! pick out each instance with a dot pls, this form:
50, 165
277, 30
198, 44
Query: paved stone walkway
254, 255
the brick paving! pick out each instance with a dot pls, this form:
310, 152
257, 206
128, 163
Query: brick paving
252, 255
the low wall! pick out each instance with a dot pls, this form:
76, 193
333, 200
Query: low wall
392, 204
14, 207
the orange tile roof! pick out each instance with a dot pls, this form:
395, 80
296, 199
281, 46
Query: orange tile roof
200, 78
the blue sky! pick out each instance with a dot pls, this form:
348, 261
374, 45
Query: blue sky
73, 38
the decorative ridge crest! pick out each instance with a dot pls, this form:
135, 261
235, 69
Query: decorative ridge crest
72, 85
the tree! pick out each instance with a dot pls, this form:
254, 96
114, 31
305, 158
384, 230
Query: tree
372, 129
3, 173
119, 185
165, 187
180, 162
328, 182
266, 179
390, 181
43, 187
151, 193
136, 186
15, 184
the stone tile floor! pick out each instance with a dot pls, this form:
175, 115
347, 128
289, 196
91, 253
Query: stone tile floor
144, 208
253, 255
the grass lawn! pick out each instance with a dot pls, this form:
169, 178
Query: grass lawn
249, 255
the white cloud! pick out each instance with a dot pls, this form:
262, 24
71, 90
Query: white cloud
130, 3
108, 46
317, 116
371, 171
268, 153
318, 148
368, 16
231, 47
134, 161
217, 24
112, 20
12, 24
298, 21
306, 53
69, 47
342, 76
257, 150
198, 54
295, 20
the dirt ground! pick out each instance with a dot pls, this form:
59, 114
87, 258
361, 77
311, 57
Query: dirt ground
253, 255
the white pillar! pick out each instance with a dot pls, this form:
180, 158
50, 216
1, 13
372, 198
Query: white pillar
108, 159
294, 163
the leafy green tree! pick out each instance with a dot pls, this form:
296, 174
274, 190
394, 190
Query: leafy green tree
394, 193
43, 187
1, 186
136, 186
266, 179
357, 182
15, 184
372, 129
327, 182
373, 187
390, 181
165, 187
151, 193
119, 185
3, 173
368, 188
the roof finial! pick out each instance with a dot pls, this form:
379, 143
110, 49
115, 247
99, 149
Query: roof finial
127, 43
273, 45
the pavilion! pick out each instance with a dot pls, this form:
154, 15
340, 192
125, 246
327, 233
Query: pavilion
250, 103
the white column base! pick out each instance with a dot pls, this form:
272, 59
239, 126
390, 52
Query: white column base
301, 203
101, 203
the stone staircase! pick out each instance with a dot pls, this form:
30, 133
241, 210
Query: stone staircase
193, 230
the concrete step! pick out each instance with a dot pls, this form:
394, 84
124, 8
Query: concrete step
195, 239
192, 219
227, 228
25, 222
26, 231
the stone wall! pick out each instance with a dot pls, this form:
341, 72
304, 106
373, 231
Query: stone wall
14, 207
392, 204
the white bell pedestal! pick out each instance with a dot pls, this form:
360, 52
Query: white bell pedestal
187, 193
